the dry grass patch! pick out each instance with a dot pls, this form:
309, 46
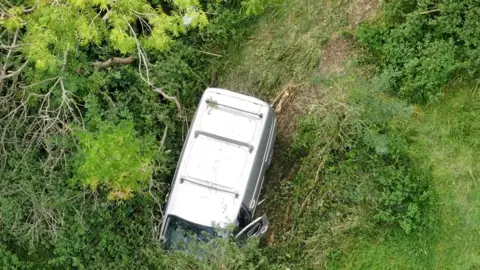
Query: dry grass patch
362, 10
335, 56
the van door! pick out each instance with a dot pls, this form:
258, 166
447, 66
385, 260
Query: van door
258, 228
244, 217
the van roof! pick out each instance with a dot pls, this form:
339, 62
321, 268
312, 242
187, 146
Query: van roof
217, 158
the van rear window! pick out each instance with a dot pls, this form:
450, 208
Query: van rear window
179, 233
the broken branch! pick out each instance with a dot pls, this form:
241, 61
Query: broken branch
164, 137
430, 11
8, 47
14, 73
209, 53
173, 98
28, 10
14, 43
114, 61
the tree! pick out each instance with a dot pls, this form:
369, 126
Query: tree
96, 92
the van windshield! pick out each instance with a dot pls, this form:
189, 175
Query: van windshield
180, 233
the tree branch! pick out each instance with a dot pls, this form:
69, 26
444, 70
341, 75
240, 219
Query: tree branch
3, 72
142, 60
113, 61
8, 47
14, 73
14, 43
64, 63
430, 11
173, 98
164, 137
107, 14
28, 10
209, 53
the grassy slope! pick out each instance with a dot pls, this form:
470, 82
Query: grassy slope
449, 141
450, 138
291, 47
286, 47
286, 53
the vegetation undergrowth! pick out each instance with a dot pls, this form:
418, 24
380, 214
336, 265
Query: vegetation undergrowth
94, 109
446, 140
356, 177
95, 102
356, 189
419, 46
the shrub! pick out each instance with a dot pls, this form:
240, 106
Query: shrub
7, 259
420, 45
403, 197
115, 157
391, 188
359, 155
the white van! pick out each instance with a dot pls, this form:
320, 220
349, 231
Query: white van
221, 169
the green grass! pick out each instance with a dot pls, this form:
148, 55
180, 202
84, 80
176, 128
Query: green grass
448, 141
287, 48
449, 137
285, 51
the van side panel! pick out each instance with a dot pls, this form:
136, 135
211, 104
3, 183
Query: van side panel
258, 170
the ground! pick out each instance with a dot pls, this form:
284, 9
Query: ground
361, 10
301, 56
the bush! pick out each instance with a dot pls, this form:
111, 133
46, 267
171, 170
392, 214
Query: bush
390, 188
114, 156
356, 178
7, 259
357, 157
420, 45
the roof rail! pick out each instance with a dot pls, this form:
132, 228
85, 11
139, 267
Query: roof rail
215, 103
225, 139
208, 184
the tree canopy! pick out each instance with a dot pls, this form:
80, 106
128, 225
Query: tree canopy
94, 102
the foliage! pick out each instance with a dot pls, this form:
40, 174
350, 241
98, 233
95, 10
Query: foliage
446, 141
355, 176
398, 194
7, 259
114, 156
420, 45
220, 254
52, 29
355, 190
118, 235
66, 113
257, 7
372, 150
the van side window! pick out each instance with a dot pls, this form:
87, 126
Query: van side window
244, 217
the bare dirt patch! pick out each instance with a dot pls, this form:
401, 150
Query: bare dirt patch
336, 53
292, 103
361, 10
295, 101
